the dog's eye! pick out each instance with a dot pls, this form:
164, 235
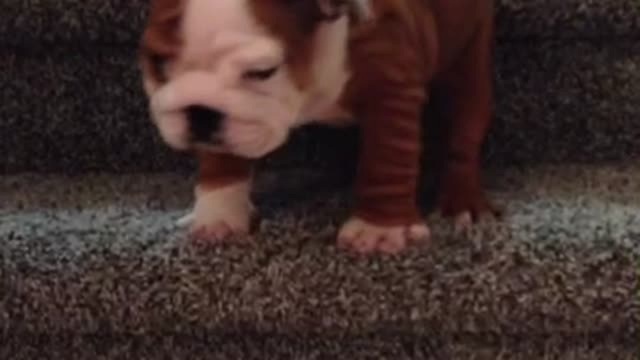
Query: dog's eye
262, 74
158, 66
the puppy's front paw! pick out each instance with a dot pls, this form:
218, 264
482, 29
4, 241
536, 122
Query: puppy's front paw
221, 214
364, 237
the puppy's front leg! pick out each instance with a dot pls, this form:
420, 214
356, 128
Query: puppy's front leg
386, 216
223, 206
470, 98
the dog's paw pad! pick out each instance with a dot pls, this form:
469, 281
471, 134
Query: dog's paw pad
216, 233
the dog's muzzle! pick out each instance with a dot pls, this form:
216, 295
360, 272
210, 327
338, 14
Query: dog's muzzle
197, 110
187, 101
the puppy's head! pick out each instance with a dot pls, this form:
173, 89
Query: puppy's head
236, 76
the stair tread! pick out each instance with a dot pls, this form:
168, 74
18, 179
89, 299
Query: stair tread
120, 21
101, 254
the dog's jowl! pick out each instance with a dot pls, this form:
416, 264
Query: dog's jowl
229, 79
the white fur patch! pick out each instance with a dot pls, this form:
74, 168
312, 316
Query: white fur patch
329, 70
230, 206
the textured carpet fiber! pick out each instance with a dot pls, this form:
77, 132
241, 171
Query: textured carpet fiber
250, 346
99, 255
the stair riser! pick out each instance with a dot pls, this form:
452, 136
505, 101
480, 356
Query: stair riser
78, 109
121, 22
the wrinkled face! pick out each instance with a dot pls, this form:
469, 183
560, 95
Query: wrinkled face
236, 76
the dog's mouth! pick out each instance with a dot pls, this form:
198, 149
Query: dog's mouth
195, 121
205, 125
212, 131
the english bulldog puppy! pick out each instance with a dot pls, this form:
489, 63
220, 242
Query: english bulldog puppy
229, 79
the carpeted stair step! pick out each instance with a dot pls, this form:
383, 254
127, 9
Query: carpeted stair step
71, 98
99, 255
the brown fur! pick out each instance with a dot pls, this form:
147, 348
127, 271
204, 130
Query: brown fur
410, 51
161, 39
413, 49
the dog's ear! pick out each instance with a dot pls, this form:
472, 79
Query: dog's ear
160, 41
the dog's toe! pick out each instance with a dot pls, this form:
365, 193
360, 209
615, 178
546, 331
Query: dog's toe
365, 238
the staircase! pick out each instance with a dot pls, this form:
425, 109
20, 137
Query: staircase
92, 265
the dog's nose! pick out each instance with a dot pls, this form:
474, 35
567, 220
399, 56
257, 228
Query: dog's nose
204, 122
